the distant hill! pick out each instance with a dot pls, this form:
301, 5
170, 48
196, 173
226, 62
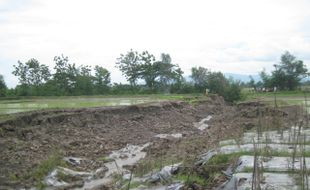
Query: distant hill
235, 76
242, 77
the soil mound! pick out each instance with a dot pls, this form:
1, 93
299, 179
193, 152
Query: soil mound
92, 133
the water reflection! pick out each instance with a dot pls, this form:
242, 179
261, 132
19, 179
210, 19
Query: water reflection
13, 106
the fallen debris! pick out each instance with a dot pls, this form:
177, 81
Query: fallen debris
164, 175
204, 158
202, 125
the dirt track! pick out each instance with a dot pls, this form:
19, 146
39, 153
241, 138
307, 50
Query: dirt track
95, 132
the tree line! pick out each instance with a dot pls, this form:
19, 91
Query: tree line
145, 74
36, 79
287, 75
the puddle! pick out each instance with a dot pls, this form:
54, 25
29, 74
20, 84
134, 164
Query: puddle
272, 164
124, 157
277, 170
275, 181
202, 125
127, 156
174, 186
167, 136
228, 149
285, 137
52, 180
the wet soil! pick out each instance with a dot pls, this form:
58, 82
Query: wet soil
93, 133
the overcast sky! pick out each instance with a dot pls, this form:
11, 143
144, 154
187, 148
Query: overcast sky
234, 36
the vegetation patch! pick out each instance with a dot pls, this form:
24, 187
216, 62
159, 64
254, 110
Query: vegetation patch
105, 159
191, 179
45, 167
5, 117
147, 165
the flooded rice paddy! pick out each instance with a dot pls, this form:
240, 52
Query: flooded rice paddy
22, 105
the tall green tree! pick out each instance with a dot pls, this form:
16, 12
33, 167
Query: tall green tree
102, 79
148, 69
233, 91
169, 73
3, 87
252, 83
65, 76
267, 79
289, 72
31, 75
159, 73
217, 83
129, 65
144, 66
84, 81
200, 77
32, 72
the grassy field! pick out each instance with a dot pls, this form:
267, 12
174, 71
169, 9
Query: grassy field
21, 104
283, 98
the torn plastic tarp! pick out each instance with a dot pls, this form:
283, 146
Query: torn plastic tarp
204, 158
164, 174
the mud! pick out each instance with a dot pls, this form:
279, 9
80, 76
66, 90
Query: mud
95, 133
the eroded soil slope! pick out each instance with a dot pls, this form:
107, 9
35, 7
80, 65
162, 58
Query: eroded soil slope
93, 133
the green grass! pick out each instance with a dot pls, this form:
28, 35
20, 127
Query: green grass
283, 97
5, 117
220, 159
45, 167
207, 175
104, 159
145, 166
1, 132
279, 93
189, 179
13, 177
63, 177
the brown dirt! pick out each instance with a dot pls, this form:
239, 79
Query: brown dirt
94, 132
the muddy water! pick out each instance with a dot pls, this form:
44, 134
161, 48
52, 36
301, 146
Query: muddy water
228, 149
277, 170
127, 156
15, 106
274, 181
274, 164
273, 140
